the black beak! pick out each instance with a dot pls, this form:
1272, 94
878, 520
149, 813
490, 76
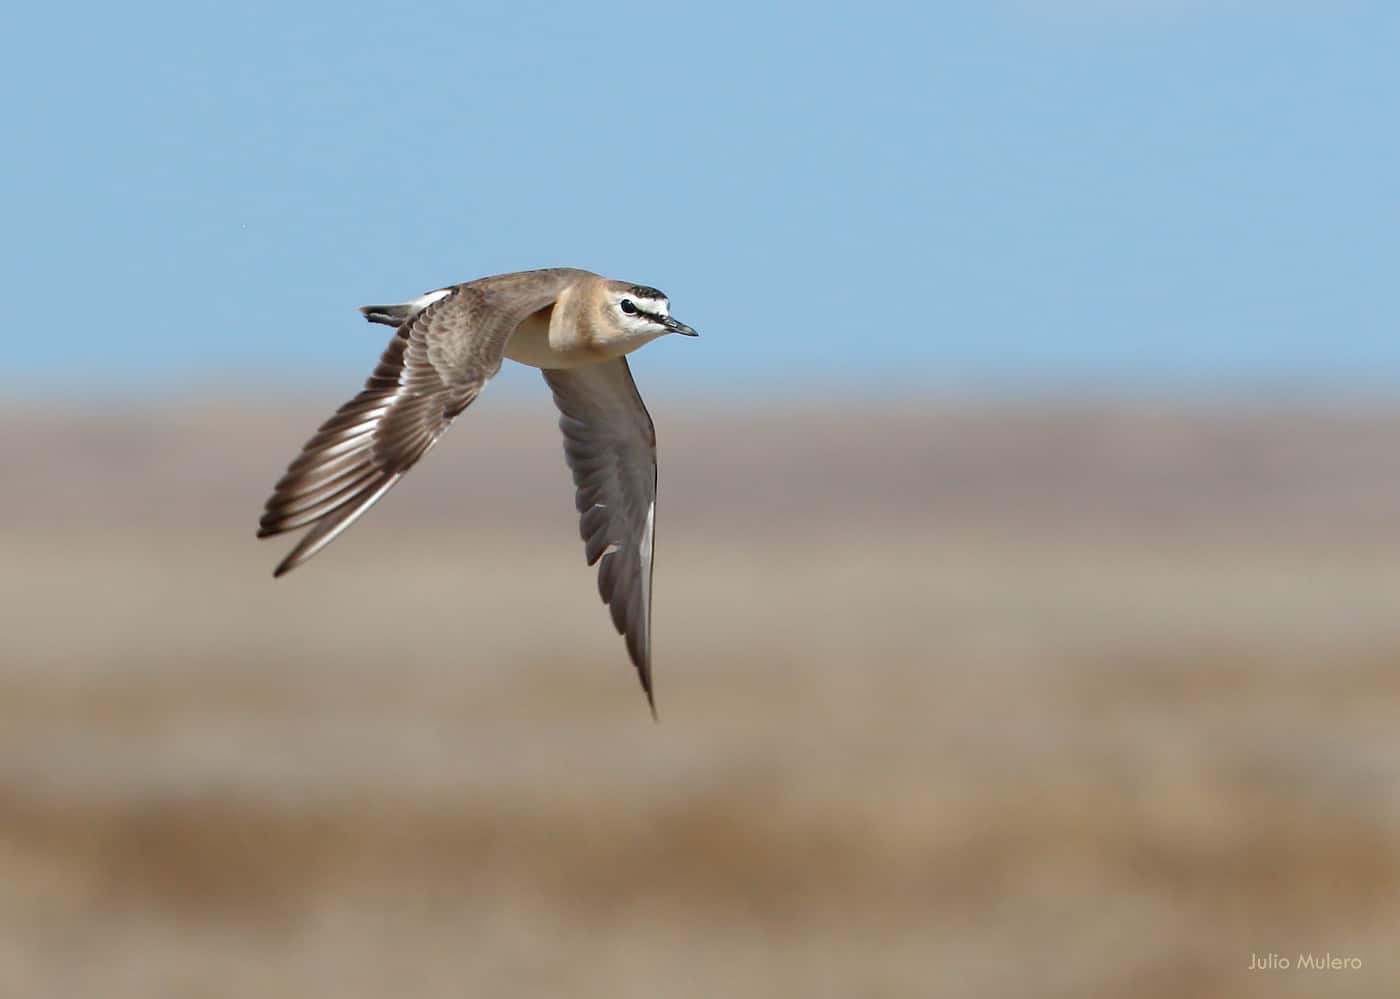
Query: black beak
675, 326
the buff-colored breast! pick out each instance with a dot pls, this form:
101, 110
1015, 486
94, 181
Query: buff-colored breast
535, 343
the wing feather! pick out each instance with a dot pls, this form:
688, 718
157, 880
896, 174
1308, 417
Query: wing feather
610, 445
440, 358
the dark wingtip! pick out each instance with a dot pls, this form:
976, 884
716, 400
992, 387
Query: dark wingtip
651, 698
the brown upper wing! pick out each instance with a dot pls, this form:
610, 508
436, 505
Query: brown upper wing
437, 363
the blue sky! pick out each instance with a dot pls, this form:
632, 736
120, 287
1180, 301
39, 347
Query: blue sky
1046, 192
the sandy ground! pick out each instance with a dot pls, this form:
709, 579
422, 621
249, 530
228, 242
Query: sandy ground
957, 698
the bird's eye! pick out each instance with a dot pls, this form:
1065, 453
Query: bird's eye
629, 307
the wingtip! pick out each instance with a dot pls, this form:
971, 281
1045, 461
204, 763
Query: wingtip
287, 564
283, 567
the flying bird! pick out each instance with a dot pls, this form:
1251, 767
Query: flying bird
576, 327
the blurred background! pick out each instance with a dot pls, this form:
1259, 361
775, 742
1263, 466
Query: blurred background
1027, 567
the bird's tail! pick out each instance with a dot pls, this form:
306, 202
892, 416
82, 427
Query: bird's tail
389, 315
397, 315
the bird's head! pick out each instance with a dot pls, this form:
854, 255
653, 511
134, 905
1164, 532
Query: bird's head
642, 312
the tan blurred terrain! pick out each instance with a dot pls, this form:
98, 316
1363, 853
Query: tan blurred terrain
960, 697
